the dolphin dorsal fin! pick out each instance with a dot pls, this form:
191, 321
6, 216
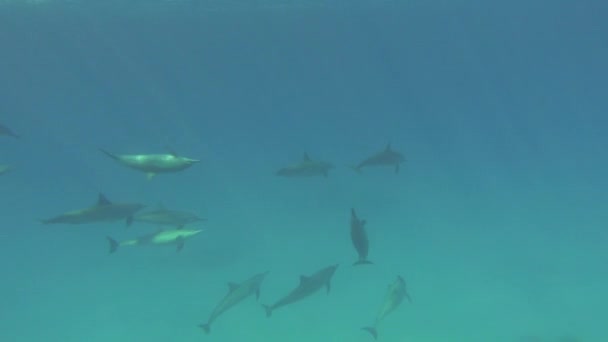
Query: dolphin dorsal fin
171, 151
232, 286
103, 200
305, 157
303, 279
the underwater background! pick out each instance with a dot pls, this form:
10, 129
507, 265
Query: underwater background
497, 220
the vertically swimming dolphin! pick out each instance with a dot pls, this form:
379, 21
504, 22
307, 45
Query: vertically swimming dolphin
394, 296
151, 164
103, 210
388, 157
306, 168
8, 132
308, 285
236, 294
161, 237
358, 236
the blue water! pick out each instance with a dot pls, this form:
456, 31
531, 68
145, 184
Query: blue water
497, 221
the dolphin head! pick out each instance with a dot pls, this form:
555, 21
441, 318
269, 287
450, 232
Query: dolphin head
190, 161
191, 232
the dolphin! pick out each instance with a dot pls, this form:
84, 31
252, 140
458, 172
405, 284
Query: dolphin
236, 294
151, 164
160, 237
308, 285
8, 132
166, 217
5, 168
359, 238
394, 296
306, 168
388, 157
103, 210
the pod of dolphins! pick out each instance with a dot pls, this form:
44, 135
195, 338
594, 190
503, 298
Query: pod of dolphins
175, 232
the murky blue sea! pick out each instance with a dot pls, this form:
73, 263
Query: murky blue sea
496, 220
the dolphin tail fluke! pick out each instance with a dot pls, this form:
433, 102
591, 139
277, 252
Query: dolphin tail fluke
113, 244
363, 262
372, 331
206, 327
268, 309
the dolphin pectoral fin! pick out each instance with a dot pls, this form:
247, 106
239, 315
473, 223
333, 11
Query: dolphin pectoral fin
150, 175
372, 331
268, 309
206, 327
180, 244
407, 295
328, 286
113, 244
129, 221
257, 294
303, 279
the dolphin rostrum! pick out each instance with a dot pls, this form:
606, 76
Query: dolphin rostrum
103, 210
306, 168
308, 285
236, 294
161, 237
394, 296
388, 157
358, 235
151, 164
166, 217
8, 132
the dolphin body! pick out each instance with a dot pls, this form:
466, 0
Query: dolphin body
306, 168
161, 237
358, 236
102, 211
394, 296
152, 164
308, 285
388, 157
236, 294
166, 217
8, 132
